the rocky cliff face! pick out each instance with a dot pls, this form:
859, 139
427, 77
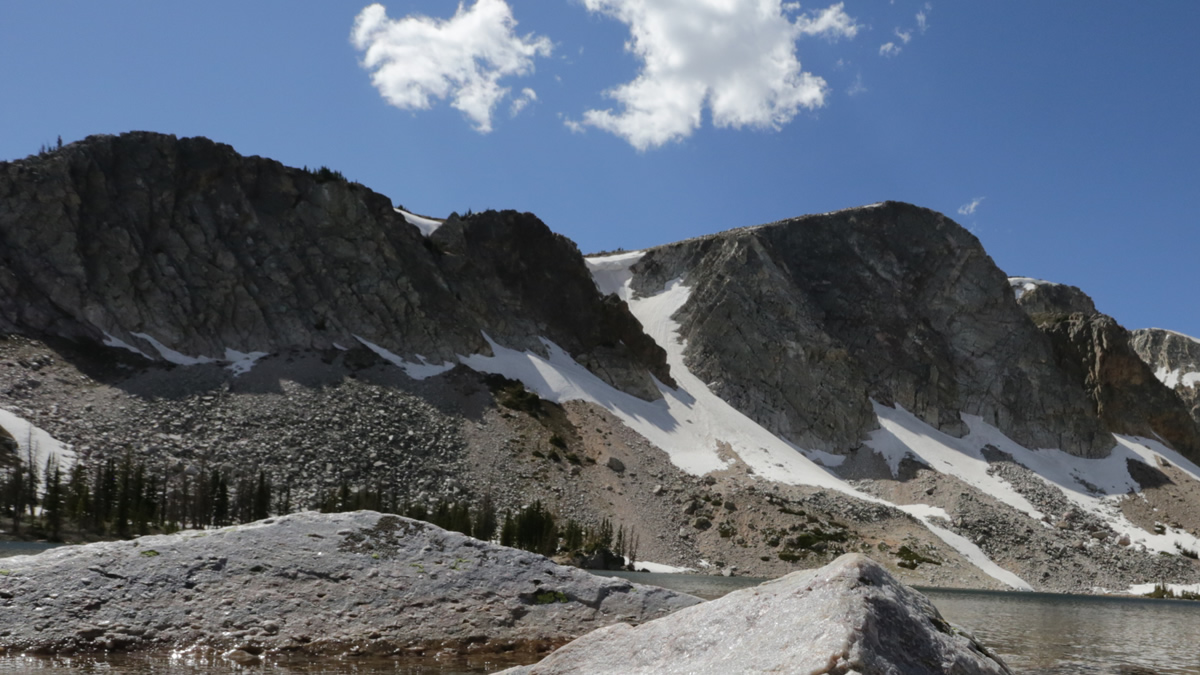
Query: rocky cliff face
1175, 359
1099, 354
801, 323
203, 250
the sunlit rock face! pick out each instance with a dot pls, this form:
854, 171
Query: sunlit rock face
1175, 359
850, 616
800, 324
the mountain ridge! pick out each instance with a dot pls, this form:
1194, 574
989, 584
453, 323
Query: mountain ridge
759, 398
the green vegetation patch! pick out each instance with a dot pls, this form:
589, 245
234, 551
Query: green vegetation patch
150, 553
910, 559
550, 597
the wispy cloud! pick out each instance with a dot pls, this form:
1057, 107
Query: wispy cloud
904, 37
417, 60
969, 208
889, 49
857, 87
519, 103
735, 57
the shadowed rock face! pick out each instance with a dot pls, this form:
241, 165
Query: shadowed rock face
206, 250
1173, 357
850, 616
1100, 355
800, 323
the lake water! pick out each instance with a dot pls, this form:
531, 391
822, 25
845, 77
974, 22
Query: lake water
1033, 632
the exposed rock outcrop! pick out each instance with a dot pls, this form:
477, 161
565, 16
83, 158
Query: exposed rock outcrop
1175, 359
1039, 297
318, 583
801, 323
204, 250
850, 616
1098, 353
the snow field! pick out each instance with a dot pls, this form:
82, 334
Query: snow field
43, 445
425, 225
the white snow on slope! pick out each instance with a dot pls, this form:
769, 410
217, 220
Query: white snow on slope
698, 430
417, 371
425, 225
43, 444
1173, 378
111, 341
241, 362
965, 546
172, 356
613, 273
903, 434
238, 362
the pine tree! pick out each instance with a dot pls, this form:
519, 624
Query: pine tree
484, 527
52, 504
262, 497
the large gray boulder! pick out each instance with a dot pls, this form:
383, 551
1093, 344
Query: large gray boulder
316, 583
850, 616
801, 323
204, 250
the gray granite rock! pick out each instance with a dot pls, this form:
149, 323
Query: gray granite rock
1170, 353
850, 616
205, 250
800, 323
319, 583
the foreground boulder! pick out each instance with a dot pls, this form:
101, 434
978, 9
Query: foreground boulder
315, 583
850, 616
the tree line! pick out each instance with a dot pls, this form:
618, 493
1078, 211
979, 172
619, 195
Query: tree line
113, 498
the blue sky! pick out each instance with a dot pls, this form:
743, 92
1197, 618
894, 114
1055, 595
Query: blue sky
1071, 126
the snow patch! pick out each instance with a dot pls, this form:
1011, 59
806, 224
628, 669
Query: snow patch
1143, 589
613, 273
43, 445
241, 362
425, 225
417, 371
965, 546
111, 341
171, 355
1174, 378
659, 568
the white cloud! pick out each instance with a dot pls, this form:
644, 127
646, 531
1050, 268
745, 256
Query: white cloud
889, 49
969, 209
417, 60
831, 23
735, 57
527, 96
922, 21
904, 37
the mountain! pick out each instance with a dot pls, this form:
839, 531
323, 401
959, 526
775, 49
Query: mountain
1176, 361
750, 401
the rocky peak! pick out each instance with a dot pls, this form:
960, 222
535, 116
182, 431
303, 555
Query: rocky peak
801, 323
1175, 359
1039, 297
147, 237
